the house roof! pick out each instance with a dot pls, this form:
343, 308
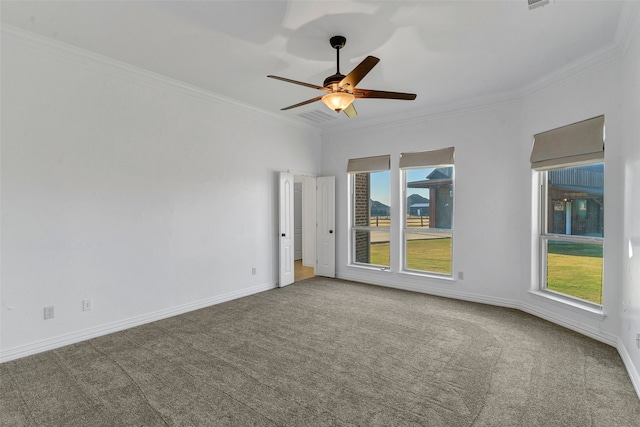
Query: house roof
436, 177
590, 191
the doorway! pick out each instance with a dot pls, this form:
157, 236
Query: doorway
307, 239
304, 227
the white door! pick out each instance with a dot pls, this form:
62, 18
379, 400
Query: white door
325, 235
286, 275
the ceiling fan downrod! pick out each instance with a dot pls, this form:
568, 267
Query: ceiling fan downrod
338, 42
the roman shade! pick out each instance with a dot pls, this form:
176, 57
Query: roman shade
580, 142
369, 164
422, 159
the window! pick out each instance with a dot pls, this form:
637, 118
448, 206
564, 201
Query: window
572, 210
370, 207
573, 231
428, 211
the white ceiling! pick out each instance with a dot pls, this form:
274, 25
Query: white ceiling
447, 52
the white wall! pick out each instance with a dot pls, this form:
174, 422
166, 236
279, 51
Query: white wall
146, 196
630, 243
495, 208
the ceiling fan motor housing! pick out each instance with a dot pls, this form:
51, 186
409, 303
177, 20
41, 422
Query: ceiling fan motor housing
336, 78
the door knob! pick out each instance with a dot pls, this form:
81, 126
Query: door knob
330, 231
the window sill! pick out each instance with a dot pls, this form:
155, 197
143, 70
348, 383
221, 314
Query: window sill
427, 275
371, 267
570, 304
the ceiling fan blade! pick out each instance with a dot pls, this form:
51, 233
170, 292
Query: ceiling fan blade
299, 83
300, 104
358, 73
367, 93
350, 111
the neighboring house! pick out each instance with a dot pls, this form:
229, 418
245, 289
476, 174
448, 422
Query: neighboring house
419, 209
577, 201
440, 185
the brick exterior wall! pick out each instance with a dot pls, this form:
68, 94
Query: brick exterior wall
361, 217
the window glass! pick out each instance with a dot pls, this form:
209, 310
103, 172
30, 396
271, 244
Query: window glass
428, 252
575, 269
575, 198
573, 236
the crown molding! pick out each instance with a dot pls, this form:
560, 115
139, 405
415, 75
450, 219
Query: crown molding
627, 24
89, 59
449, 110
96, 62
588, 63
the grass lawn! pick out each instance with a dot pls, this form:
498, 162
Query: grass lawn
380, 253
433, 255
575, 269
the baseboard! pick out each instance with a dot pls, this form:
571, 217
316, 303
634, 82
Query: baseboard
447, 293
594, 333
501, 302
75, 337
628, 363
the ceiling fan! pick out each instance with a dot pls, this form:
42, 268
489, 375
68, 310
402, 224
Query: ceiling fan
341, 90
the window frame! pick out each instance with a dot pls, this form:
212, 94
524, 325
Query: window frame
405, 229
353, 228
544, 237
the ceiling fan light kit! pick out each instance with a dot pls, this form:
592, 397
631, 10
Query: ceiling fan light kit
341, 90
338, 101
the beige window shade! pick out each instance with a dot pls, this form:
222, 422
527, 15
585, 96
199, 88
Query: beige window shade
577, 143
369, 164
427, 158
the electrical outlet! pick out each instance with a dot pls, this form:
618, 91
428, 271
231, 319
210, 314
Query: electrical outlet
48, 312
460, 275
86, 305
253, 271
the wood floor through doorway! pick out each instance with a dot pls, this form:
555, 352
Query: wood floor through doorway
301, 272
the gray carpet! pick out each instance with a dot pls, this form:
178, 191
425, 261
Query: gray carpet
327, 352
